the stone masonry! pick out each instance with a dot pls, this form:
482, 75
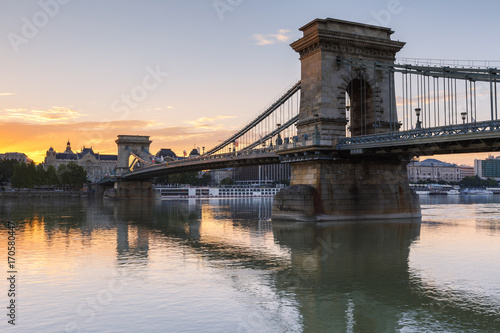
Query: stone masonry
353, 189
136, 143
326, 78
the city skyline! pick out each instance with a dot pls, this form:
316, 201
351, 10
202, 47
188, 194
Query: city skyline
188, 74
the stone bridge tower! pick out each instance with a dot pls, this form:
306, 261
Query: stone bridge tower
327, 77
127, 143
339, 73
124, 188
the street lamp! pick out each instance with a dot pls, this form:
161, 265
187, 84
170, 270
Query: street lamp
419, 123
464, 115
279, 141
203, 150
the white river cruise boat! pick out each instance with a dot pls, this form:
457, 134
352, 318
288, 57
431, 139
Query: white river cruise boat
216, 192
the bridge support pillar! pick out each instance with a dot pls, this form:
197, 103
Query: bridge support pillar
347, 189
131, 189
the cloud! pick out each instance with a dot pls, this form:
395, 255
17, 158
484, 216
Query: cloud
281, 37
54, 115
207, 122
7, 94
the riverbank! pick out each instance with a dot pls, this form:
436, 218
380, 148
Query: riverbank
42, 194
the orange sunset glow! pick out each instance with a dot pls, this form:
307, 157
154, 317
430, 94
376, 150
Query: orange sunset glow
34, 139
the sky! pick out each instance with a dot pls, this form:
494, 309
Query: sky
188, 73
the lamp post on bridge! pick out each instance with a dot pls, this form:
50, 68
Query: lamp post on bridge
279, 140
464, 115
419, 123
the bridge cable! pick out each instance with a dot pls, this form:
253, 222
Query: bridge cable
466, 100
456, 102
496, 97
269, 111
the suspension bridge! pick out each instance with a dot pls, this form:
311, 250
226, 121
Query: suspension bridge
350, 125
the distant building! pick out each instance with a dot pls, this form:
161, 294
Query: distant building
262, 174
434, 170
253, 175
97, 165
466, 171
488, 168
20, 157
218, 175
194, 153
166, 154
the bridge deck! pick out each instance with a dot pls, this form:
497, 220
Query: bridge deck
454, 139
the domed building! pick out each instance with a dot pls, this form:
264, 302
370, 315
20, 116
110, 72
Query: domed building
97, 165
166, 154
194, 153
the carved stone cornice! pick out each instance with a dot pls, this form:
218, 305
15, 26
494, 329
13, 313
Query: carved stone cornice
354, 43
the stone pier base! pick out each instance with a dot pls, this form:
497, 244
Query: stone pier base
131, 190
353, 189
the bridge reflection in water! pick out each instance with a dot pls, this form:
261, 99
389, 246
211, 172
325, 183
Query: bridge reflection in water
355, 275
343, 277
293, 277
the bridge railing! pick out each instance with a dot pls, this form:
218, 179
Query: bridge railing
468, 128
449, 62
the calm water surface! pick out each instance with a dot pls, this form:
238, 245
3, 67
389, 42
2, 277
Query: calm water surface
222, 266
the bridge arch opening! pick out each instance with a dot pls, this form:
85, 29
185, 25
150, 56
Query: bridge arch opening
359, 103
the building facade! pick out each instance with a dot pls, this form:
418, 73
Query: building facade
262, 174
466, 171
20, 157
434, 170
218, 175
97, 165
256, 175
488, 168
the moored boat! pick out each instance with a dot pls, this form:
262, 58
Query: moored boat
476, 192
453, 192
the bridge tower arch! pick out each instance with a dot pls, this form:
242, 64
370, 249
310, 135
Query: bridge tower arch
343, 78
128, 144
327, 51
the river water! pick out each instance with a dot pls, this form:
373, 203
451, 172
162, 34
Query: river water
220, 265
